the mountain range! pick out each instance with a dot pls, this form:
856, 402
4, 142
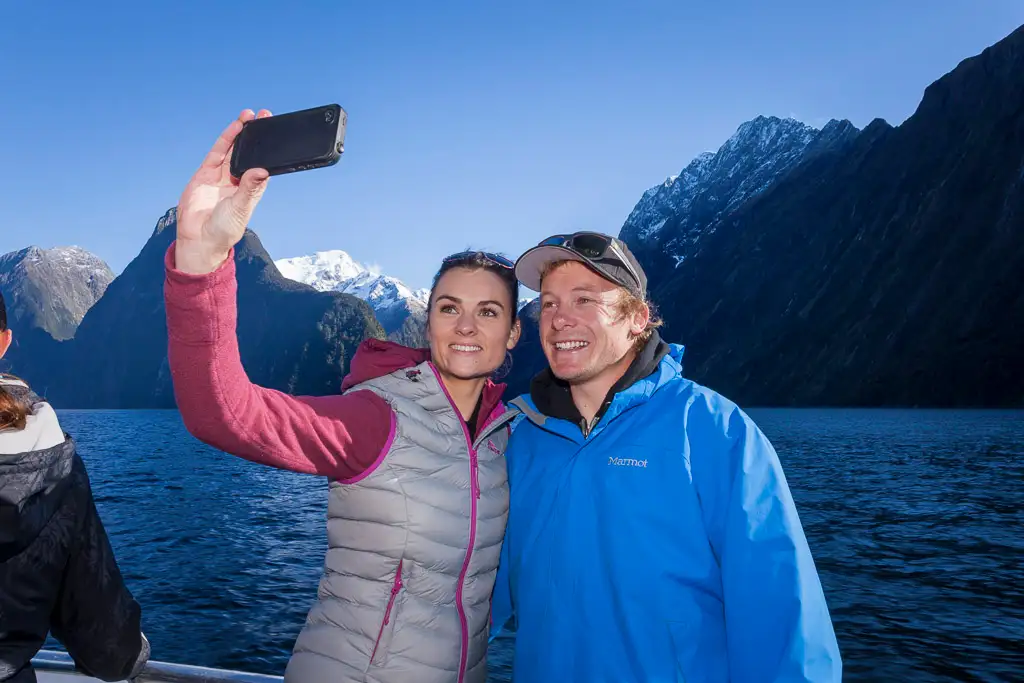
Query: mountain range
667, 224
401, 312
291, 337
803, 266
846, 267
33, 275
884, 269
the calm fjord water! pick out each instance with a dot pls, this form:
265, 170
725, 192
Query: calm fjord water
915, 518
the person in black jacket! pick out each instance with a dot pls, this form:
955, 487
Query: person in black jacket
57, 569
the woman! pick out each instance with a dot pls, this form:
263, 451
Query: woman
57, 570
413, 447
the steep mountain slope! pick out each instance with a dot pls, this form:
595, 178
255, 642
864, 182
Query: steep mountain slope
888, 271
52, 289
668, 221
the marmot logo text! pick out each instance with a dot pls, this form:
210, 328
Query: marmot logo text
627, 462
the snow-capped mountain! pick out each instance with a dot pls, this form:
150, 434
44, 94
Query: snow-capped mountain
400, 310
336, 271
671, 217
52, 289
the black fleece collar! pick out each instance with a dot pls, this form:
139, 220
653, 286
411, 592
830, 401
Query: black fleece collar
554, 399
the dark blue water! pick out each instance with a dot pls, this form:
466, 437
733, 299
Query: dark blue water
915, 518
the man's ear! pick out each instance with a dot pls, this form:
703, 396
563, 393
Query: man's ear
514, 334
639, 320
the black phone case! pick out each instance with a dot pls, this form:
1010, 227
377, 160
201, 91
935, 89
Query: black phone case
333, 147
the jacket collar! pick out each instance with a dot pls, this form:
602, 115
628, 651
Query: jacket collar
376, 357
549, 403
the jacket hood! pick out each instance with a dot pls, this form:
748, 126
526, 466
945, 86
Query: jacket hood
376, 358
34, 458
42, 430
33, 479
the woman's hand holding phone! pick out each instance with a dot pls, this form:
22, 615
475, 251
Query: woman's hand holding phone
215, 208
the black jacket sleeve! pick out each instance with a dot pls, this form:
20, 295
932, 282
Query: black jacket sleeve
96, 617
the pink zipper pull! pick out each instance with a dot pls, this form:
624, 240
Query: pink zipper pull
395, 587
476, 474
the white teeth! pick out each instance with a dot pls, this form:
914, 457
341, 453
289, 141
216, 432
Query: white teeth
463, 347
570, 345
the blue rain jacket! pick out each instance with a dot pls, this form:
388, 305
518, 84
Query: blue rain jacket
662, 547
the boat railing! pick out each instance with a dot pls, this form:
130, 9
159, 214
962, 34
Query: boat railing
154, 672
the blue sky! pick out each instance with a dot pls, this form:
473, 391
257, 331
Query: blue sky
469, 126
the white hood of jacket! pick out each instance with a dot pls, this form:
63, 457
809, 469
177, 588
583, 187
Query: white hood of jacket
42, 429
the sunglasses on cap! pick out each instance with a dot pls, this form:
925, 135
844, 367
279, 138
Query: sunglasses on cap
594, 246
496, 259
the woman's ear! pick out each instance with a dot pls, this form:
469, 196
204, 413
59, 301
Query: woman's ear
513, 335
6, 337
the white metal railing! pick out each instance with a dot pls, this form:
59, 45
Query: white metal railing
156, 672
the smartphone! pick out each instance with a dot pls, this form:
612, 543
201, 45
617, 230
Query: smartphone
295, 141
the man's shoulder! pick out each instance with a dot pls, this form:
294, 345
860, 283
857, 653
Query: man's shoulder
704, 413
673, 386
696, 396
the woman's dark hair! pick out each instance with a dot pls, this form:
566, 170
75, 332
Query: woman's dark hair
482, 260
13, 412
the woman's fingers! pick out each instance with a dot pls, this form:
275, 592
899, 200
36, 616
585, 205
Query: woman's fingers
222, 148
219, 152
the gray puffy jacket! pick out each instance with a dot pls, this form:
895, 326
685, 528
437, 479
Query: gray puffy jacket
413, 546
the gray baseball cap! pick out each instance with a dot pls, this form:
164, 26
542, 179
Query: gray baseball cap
607, 256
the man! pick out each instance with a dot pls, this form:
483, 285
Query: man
652, 535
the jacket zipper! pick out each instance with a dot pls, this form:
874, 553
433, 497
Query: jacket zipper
476, 472
396, 586
475, 494
474, 485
